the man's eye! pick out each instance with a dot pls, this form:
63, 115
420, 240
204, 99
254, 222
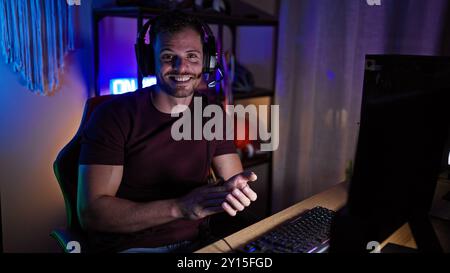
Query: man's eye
192, 56
166, 57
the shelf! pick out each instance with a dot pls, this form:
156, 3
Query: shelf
257, 92
257, 160
243, 14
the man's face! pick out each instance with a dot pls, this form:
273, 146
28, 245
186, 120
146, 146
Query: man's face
179, 61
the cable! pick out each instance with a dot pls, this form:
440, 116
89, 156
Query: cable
231, 248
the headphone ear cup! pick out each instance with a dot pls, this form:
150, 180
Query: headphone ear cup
206, 58
212, 63
209, 56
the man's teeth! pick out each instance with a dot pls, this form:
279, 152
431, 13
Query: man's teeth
182, 78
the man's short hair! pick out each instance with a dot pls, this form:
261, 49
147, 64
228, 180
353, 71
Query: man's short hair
174, 21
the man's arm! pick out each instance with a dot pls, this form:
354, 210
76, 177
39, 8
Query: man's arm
99, 209
229, 167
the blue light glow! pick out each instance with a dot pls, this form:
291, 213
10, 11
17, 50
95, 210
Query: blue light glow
331, 75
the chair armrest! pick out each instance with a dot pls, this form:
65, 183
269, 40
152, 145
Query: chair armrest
69, 240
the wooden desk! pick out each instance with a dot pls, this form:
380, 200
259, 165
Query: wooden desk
333, 198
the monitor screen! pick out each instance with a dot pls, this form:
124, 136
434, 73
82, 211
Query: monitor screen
404, 125
445, 163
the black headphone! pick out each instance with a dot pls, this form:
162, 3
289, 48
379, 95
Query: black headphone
146, 58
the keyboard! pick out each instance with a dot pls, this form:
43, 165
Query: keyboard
307, 233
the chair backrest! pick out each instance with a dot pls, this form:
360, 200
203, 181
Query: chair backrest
65, 166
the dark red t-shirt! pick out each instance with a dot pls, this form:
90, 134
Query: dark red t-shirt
130, 131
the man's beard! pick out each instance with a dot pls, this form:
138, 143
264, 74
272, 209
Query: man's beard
179, 91
182, 92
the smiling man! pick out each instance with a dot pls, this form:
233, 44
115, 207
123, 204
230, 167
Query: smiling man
139, 189
180, 62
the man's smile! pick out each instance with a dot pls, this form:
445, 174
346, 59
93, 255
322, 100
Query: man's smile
180, 78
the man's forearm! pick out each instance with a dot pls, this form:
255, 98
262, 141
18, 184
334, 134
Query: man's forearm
112, 214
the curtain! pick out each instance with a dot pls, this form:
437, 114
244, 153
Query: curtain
322, 46
35, 35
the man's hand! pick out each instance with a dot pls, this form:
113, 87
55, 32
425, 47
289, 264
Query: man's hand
233, 196
241, 194
201, 202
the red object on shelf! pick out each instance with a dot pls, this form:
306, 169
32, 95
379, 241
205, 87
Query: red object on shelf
241, 143
246, 147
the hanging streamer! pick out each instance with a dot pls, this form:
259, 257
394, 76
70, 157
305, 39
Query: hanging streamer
35, 35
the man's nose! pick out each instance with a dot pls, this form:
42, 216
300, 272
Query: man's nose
180, 64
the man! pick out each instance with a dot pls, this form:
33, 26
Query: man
138, 187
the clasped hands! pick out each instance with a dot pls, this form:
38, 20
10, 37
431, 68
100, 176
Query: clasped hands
232, 196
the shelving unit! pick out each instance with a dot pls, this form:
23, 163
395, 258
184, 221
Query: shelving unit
242, 15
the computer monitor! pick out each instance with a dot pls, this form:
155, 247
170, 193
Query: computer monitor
445, 165
404, 124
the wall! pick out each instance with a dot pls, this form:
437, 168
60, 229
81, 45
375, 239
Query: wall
33, 130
